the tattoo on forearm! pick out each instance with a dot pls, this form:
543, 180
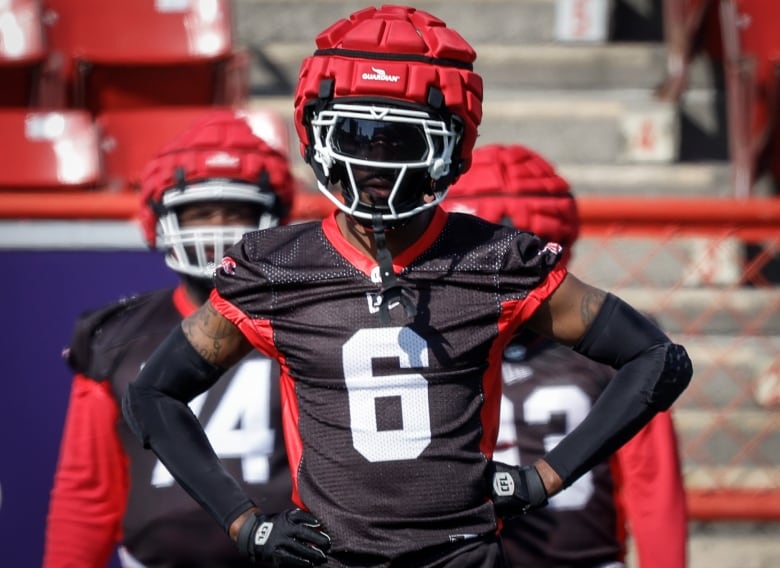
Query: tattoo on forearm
208, 332
591, 304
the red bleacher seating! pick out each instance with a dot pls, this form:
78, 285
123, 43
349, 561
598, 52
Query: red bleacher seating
123, 55
48, 150
22, 52
130, 138
270, 126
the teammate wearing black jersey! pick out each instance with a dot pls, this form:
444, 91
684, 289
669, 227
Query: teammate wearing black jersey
548, 389
389, 319
200, 194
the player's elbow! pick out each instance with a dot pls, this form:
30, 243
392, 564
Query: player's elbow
676, 371
628, 341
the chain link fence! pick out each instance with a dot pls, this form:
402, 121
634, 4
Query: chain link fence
708, 272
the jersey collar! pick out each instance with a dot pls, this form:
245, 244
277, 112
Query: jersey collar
366, 263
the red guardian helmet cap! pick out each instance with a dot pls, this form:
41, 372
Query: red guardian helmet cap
391, 89
512, 184
219, 158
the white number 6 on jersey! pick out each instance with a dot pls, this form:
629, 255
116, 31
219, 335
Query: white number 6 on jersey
365, 389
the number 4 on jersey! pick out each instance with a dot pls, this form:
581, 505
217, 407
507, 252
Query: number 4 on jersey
240, 426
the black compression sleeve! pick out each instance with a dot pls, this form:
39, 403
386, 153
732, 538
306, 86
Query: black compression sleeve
155, 408
618, 334
652, 373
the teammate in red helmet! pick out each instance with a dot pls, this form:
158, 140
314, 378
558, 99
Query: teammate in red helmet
548, 388
388, 319
200, 194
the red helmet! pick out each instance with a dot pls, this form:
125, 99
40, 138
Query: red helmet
390, 70
510, 183
218, 158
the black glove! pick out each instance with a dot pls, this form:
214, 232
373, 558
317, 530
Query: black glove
515, 490
289, 538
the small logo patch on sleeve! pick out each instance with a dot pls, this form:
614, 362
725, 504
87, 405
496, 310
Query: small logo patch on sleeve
553, 248
228, 266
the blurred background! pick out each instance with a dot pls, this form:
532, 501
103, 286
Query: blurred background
662, 114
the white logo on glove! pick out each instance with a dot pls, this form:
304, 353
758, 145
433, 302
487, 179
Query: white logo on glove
263, 532
503, 484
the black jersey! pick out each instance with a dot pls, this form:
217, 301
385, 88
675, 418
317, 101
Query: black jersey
390, 426
548, 390
163, 525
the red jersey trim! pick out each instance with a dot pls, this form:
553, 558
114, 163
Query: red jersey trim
292, 437
621, 519
260, 334
513, 314
365, 263
651, 493
524, 309
89, 495
182, 302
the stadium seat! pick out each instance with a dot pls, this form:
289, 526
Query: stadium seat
751, 46
22, 52
123, 55
270, 126
48, 150
130, 138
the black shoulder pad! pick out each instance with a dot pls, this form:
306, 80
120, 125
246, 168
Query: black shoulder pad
79, 354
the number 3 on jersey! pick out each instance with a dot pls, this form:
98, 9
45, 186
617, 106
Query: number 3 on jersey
539, 408
240, 426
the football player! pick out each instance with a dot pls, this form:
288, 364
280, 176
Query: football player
200, 194
549, 388
388, 319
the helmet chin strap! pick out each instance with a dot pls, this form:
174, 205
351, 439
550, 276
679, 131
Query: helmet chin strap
392, 291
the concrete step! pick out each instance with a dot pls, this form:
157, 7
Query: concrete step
582, 127
607, 66
565, 66
723, 443
586, 127
505, 21
707, 179
479, 21
729, 544
710, 178
599, 92
701, 476
628, 180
